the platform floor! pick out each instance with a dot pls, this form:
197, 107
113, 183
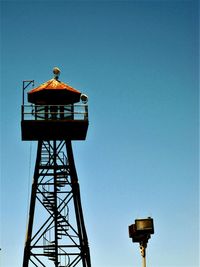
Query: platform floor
54, 129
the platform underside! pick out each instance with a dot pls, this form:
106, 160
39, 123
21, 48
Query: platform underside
54, 130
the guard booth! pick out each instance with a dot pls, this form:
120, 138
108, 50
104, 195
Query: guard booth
56, 234
53, 112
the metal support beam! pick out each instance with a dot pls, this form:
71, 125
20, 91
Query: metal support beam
27, 249
78, 208
56, 235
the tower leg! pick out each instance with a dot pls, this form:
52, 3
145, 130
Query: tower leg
78, 208
32, 208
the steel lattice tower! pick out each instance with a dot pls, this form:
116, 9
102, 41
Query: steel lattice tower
56, 234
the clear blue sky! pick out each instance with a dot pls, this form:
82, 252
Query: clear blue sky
138, 63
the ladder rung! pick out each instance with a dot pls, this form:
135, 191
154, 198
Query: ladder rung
48, 249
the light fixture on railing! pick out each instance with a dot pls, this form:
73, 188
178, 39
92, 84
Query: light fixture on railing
84, 98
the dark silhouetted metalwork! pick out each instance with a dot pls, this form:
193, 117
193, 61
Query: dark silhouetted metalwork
56, 234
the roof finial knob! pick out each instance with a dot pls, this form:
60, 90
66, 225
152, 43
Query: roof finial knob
56, 72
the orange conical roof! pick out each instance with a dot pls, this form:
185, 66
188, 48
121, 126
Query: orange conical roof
54, 92
53, 84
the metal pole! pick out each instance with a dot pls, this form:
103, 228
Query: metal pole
25, 85
143, 246
144, 261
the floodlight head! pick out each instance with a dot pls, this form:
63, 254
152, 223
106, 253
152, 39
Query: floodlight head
84, 98
142, 229
144, 226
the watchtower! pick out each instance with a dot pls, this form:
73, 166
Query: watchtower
56, 234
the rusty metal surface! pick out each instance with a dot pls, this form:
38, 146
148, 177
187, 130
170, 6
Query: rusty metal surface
54, 92
53, 84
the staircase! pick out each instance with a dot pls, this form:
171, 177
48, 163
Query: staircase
54, 203
62, 228
49, 251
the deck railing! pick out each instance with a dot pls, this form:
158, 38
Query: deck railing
54, 112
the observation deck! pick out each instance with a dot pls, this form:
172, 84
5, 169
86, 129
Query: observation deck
54, 122
55, 112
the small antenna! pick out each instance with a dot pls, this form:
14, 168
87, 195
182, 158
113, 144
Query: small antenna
26, 83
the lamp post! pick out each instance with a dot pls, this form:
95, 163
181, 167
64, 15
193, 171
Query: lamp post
140, 232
